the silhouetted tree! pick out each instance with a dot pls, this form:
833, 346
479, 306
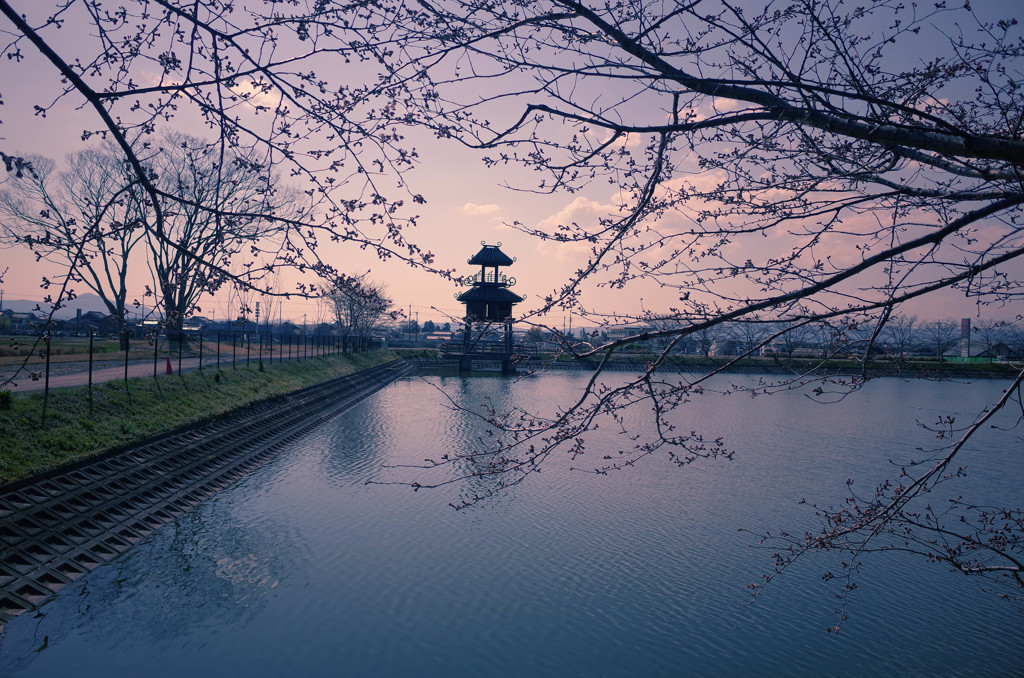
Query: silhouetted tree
901, 333
940, 336
223, 202
360, 306
87, 219
264, 113
991, 334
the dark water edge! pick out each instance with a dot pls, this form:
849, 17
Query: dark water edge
948, 371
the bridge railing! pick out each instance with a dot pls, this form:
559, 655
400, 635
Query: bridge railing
497, 348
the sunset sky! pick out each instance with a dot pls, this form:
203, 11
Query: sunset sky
466, 205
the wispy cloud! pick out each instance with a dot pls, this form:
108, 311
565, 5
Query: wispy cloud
473, 209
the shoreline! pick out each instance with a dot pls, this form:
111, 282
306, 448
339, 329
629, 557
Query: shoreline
809, 369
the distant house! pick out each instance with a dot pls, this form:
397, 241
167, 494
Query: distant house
999, 351
726, 347
195, 325
148, 327
97, 322
289, 328
325, 330
93, 316
23, 322
627, 331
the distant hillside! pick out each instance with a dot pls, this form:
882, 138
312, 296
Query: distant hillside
86, 302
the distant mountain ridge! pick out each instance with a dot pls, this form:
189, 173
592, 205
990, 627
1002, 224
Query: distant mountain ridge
85, 302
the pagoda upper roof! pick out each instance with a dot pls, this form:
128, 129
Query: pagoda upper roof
489, 293
491, 255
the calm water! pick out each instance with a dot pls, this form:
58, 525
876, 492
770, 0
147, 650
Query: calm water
303, 569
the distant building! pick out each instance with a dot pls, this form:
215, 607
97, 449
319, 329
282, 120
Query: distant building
488, 301
93, 321
726, 347
998, 351
23, 322
289, 328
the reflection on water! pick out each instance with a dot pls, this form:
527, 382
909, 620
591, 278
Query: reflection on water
304, 569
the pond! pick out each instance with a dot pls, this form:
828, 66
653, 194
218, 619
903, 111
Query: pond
304, 569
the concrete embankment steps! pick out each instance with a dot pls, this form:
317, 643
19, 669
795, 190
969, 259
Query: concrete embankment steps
57, 528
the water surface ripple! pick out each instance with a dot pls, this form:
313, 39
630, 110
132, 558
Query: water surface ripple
304, 569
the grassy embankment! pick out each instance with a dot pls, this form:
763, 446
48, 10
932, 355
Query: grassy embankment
148, 407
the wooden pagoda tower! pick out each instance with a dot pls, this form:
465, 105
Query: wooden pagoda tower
488, 302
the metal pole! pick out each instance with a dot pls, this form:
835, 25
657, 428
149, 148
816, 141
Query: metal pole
124, 337
200, 349
46, 384
90, 370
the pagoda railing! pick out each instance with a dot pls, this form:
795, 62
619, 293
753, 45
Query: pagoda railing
490, 278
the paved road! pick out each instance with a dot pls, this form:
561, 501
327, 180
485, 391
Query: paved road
77, 373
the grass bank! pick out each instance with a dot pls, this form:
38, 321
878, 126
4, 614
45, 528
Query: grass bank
148, 407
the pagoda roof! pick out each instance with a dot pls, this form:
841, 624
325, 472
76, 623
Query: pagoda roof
491, 293
491, 255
